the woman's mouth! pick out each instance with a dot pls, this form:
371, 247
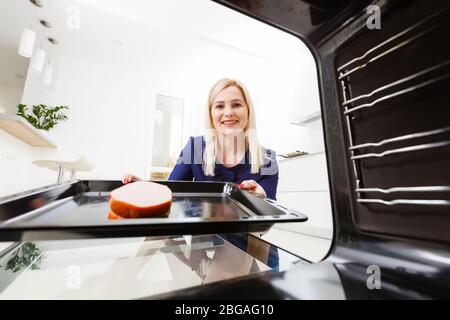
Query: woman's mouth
229, 123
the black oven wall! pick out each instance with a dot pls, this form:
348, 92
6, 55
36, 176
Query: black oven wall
394, 101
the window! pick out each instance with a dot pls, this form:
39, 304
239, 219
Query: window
167, 134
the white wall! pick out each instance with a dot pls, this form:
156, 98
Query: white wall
10, 97
16, 168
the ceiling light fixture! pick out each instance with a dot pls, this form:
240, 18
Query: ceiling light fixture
52, 40
45, 23
37, 3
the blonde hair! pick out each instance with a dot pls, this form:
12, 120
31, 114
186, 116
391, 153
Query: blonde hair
251, 140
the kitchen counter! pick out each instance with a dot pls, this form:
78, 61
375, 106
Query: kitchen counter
282, 159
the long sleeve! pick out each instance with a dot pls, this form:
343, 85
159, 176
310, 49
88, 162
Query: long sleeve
269, 175
181, 172
269, 184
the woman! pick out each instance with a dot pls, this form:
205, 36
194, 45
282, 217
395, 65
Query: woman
229, 151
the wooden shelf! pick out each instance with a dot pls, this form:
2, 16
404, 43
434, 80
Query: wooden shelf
21, 129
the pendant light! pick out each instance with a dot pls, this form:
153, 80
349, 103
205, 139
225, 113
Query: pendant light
38, 61
47, 77
26, 45
48, 74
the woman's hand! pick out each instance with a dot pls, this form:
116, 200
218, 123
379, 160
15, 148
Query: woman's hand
127, 178
252, 186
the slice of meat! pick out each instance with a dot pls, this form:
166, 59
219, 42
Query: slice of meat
113, 216
141, 199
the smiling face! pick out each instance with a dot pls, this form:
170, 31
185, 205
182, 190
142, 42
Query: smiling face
229, 112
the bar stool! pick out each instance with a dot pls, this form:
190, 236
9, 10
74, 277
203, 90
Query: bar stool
82, 164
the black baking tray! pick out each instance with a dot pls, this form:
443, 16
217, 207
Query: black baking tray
79, 209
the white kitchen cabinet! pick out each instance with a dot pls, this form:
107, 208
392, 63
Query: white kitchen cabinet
303, 186
303, 173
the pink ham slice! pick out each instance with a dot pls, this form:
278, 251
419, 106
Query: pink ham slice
141, 199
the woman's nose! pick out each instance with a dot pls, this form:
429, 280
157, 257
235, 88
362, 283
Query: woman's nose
228, 111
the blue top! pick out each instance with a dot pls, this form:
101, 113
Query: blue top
190, 167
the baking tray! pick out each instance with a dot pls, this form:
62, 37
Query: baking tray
79, 209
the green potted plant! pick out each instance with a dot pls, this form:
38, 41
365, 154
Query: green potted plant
42, 117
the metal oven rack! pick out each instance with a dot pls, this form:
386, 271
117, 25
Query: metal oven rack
411, 142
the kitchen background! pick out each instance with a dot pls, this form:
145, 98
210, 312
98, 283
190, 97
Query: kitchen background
135, 76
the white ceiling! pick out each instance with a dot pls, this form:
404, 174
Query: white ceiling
201, 17
15, 16
208, 19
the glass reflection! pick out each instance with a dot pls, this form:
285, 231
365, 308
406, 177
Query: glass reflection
128, 268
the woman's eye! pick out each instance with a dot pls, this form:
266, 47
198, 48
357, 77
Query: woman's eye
237, 105
219, 106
